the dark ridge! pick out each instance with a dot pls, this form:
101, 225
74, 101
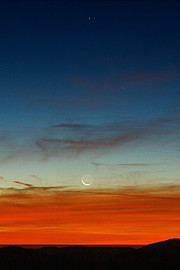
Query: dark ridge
157, 256
49, 250
14, 249
167, 245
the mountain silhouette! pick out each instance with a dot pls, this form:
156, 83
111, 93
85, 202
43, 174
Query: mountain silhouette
157, 256
164, 246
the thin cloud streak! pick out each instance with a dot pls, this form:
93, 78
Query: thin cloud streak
37, 178
21, 183
72, 126
74, 139
97, 164
15, 182
88, 138
55, 146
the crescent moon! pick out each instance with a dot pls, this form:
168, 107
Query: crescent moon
85, 183
87, 180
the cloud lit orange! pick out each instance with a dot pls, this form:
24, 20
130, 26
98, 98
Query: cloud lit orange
55, 216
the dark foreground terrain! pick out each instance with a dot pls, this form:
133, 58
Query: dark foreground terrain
162, 255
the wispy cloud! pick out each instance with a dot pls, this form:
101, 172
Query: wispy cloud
72, 139
21, 183
15, 182
71, 126
88, 138
97, 164
37, 178
56, 147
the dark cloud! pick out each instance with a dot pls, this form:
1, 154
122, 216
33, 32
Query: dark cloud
8, 158
53, 147
37, 177
15, 182
153, 189
83, 138
30, 189
72, 139
21, 183
72, 126
97, 164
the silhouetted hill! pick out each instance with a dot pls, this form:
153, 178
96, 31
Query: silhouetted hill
49, 250
164, 246
161, 255
157, 256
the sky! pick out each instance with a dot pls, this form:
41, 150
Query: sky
89, 90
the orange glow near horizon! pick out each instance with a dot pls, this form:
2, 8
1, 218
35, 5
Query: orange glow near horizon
127, 217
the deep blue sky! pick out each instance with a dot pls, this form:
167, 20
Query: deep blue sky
86, 86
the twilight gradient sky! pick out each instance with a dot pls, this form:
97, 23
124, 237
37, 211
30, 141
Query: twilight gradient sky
89, 87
